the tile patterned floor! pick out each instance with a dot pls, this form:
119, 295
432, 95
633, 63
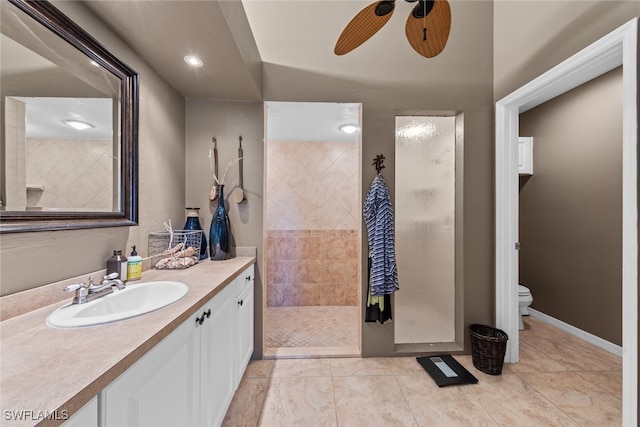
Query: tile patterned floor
560, 381
312, 326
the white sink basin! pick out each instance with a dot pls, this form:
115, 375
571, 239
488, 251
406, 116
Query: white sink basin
132, 301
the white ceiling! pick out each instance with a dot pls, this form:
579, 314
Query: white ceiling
164, 32
311, 121
298, 34
45, 117
235, 39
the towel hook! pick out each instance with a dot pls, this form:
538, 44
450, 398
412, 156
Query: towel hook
378, 162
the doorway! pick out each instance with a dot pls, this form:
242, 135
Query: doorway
570, 211
615, 49
312, 230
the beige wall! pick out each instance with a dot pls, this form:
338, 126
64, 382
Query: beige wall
571, 208
468, 90
226, 120
13, 153
33, 259
532, 36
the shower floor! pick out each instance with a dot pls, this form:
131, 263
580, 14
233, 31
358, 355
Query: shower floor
311, 331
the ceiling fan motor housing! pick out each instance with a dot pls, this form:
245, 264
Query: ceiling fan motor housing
385, 7
422, 9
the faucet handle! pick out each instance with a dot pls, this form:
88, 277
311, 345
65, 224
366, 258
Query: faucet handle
111, 276
75, 287
81, 291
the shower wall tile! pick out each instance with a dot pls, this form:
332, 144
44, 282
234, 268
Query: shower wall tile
312, 267
313, 214
312, 186
309, 247
75, 173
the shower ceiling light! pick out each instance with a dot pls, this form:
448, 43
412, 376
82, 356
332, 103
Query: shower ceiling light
349, 129
77, 124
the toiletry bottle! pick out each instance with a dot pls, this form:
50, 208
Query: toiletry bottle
117, 264
134, 265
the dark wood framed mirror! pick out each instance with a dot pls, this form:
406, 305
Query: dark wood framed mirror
54, 73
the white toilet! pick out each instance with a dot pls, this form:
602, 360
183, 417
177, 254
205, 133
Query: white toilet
524, 301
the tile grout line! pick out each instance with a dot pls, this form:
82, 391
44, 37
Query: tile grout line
266, 392
404, 397
333, 393
548, 399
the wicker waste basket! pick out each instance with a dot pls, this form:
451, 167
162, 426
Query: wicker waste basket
488, 347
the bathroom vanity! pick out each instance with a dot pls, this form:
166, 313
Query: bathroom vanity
179, 365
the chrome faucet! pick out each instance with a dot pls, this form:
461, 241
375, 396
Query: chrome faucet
110, 279
84, 293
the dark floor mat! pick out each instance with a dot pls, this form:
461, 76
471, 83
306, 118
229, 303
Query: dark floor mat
445, 370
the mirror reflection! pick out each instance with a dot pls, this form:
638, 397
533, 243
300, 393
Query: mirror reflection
68, 125
59, 147
66, 160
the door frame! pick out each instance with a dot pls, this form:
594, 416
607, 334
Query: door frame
619, 47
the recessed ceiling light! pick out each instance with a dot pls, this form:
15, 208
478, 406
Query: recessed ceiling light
94, 63
349, 129
194, 61
77, 124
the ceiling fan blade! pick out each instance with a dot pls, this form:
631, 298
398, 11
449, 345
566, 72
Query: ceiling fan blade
364, 25
428, 36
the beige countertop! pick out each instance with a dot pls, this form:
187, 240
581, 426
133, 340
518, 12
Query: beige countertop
50, 369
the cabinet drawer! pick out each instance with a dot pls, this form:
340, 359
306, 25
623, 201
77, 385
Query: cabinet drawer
244, 280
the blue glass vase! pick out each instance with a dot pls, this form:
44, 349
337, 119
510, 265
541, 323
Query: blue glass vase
220, 230
193, 224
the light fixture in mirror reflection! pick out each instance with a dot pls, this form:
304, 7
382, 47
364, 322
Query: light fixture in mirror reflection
57, 162
69, 125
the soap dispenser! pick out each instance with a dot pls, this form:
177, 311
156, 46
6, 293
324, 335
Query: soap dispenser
134, 265
117, 264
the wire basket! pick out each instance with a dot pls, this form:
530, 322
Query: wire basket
175, 250
488, 347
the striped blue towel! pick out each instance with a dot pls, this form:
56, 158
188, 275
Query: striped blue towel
378, 214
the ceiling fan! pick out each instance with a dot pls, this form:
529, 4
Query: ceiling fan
427, 27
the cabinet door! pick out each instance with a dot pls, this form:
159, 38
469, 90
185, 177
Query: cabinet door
244, 322
87, 416
217, 353
160, 389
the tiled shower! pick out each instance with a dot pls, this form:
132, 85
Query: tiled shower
312, 246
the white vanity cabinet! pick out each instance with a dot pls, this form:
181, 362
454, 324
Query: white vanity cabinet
160, 389
87, 416
244, 321
217, 357
189, 378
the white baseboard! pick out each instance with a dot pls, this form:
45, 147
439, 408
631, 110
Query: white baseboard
579, 333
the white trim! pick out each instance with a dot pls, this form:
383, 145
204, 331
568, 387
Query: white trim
578, 333
630, 226
617, 48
